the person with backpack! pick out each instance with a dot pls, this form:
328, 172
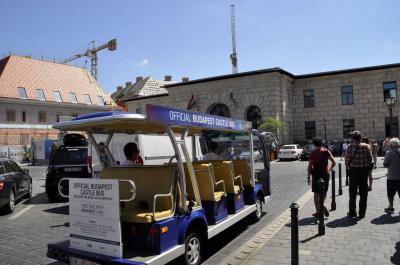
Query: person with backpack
318, 168
392, 162
359, 162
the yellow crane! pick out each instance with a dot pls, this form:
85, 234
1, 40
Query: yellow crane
92, 54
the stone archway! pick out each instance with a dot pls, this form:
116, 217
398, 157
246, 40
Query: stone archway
219, 109
253, 114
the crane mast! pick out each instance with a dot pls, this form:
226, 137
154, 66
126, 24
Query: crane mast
233, 30
92, 54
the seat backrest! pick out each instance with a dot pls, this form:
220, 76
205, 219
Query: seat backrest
205, 181
149, 181
223, 170
242, 167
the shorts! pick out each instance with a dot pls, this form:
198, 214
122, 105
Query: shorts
393, 186
314, 184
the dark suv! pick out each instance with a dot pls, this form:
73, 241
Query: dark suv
15, 183
66, 162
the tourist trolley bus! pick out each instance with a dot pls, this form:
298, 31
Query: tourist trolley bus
155, 213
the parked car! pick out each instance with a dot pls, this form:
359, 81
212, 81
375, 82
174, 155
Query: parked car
67, 162
256, 155
15, 183
290, 151
305, 155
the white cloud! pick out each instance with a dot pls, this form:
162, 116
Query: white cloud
144, 62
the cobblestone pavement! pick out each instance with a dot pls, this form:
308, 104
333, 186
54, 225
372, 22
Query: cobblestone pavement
372, 240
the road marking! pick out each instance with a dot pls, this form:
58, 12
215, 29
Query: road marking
21, 212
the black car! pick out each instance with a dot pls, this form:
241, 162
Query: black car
15, 183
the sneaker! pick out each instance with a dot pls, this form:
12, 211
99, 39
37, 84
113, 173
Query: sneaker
352, 215
389, 210
326, 212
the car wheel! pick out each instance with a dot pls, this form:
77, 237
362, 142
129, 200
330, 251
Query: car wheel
11, 202
193, 248
29, 194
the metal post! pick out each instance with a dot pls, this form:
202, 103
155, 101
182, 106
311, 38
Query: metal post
340, 179
321, 224
294, 213
347, 177
333, 201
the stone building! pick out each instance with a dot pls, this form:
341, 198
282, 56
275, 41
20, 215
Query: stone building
340, 101
34, 94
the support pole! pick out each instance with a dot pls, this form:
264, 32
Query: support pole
321, 224
333, 201
294, 213
347, 177
340, 179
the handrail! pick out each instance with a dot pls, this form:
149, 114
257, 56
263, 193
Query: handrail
174, 183
241, 181
223, 185
155, 201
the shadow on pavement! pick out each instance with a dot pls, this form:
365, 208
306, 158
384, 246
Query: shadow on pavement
342, 222
59, 210
310, 238
63, 225
386, 219
395, 259
305, 221
40, 198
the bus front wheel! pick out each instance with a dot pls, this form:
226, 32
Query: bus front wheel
193, 248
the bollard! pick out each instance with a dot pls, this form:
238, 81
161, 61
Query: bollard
321, 224
333, 201
347, 176
294, 213
340, 179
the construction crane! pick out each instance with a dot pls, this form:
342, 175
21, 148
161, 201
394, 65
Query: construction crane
233, 55
92, 54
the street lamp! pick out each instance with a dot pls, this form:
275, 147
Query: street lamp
390, 102
325, 123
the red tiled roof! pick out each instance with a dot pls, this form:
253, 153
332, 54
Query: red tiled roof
32, 74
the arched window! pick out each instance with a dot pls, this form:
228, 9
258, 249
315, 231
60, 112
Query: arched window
220, 110
254, 115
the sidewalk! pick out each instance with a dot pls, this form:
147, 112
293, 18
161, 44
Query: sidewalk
372, 240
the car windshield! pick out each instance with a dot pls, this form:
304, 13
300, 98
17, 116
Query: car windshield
309, 147
288, 147
69, 156
233, 145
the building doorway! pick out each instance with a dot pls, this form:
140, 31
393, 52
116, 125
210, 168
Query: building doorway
254, 116
220, 109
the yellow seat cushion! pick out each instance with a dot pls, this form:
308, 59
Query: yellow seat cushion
138, 216
237, 189
218, 195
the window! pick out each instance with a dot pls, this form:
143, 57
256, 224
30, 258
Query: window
389, 90
73, 98
310, 130
10, 115
40, 94
101, 100
42, 116
347, 95
88, 100
23, 116
348, 127
220, 110
22, 93
395, 127
57, 95
309, 100
254, 116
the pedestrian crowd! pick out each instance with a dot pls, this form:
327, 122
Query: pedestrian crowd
360, 157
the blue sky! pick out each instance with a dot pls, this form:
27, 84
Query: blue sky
192, 38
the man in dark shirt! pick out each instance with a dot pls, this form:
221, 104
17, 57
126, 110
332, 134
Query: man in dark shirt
358, 161
318, 168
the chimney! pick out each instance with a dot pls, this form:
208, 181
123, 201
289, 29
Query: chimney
119, 88
185, 79
138, 78
128, 83
167, 77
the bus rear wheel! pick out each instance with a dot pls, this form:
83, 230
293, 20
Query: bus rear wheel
193, 248
258, 213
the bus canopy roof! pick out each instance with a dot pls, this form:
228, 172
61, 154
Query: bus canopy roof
155, 121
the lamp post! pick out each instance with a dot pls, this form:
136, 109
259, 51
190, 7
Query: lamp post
390, 102
325, 123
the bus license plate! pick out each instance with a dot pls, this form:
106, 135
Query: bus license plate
72, 169
78, 261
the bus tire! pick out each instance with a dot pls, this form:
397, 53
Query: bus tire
193, 248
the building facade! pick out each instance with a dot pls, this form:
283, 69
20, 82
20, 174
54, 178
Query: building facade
327, 103
34, 94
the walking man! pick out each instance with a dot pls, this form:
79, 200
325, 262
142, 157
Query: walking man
358, 160
374, 151
344, 149
318, 168
392, 162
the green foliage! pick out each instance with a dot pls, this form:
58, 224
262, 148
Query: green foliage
273, 125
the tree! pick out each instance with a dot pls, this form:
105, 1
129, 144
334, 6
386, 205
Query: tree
276, 126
